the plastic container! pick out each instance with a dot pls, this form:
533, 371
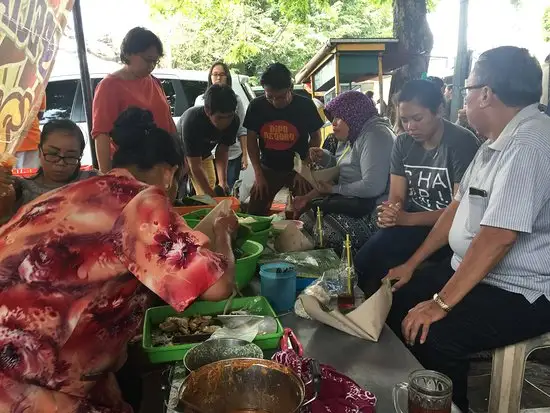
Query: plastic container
303, 282
261, 237
156, 315
245, 268
278, 285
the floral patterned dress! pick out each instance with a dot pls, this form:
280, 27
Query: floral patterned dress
72, 266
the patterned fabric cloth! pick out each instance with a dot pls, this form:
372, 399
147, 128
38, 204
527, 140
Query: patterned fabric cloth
68, 303
339, 393
336, 226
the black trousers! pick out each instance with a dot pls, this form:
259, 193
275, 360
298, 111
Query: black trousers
388, 248
487, 318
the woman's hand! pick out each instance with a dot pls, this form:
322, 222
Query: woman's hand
316, 155
6, 180
388, 214
324, 187
244, 162
403, 274
419, 319
226, 224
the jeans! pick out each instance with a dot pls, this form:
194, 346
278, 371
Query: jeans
233, 170
388, 248
487, 318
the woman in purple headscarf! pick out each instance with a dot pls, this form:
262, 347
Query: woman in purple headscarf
363, 155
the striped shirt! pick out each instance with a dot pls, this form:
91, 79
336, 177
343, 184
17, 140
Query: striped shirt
508, 186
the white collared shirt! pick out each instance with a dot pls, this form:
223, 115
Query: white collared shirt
508, 186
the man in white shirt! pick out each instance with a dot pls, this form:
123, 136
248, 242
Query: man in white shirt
495, 290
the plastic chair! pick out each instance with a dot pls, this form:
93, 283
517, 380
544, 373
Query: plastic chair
508, 372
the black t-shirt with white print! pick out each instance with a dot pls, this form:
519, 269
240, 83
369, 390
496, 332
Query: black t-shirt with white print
282, 132
431, 174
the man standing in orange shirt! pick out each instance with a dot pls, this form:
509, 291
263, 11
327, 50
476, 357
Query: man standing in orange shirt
27, 153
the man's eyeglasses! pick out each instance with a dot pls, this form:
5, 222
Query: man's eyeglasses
464, 91
219, 75
67, 160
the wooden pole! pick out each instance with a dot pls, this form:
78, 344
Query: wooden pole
337, 74
381, 84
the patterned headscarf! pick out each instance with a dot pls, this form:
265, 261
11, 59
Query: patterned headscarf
354, 108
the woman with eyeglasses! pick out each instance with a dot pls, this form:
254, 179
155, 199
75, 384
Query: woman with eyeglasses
131, 85
219, 74
60, 150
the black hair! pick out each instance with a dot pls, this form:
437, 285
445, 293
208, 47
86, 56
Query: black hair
370, 94
277, 76
438, 81
220, 99
425, 92
225, 69
64, 125
70, 128
512, 73
138, 40
142, 143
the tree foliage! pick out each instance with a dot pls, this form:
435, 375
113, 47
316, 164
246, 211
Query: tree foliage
546, 24
250, 34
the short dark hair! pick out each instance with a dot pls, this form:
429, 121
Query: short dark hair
220, 99
225, 69
370, 94
424, 92
138, 40
512, 73
64, 125
437, 80
277, 76
142, 143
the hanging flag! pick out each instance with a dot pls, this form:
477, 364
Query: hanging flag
30, 31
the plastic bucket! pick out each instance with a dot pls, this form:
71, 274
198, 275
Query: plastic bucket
278, 285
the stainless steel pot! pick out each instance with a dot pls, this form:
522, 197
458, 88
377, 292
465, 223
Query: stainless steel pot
247, 385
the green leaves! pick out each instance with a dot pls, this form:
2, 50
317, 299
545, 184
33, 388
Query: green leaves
546, 24
250, 34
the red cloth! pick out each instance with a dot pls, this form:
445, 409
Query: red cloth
339, 393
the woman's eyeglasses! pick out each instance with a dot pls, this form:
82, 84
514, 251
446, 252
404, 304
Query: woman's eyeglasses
67, 160
218, 75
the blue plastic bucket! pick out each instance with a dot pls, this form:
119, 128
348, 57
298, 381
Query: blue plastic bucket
278, 285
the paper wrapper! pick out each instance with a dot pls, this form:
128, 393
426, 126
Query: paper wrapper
31, 32
206, 226
314, 177
366, 321
292, 240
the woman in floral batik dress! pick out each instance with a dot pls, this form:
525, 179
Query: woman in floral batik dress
73, 264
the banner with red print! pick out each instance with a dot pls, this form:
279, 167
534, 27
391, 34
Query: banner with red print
30, 31
279, 135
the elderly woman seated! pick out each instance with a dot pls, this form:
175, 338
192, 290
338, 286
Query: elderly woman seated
363, 156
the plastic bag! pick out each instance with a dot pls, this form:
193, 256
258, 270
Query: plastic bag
308, 264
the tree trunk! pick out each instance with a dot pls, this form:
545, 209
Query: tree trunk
410, 27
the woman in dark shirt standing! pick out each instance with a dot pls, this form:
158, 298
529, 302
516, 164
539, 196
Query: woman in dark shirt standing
427, 164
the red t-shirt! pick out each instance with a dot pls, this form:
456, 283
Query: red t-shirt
114, 95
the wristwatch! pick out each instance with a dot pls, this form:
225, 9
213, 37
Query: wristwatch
439, 301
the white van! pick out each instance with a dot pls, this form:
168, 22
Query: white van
64, 95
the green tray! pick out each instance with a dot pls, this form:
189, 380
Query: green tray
261, 224
155, 315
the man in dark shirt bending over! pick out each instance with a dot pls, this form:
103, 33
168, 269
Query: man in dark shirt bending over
279, 124
203, 128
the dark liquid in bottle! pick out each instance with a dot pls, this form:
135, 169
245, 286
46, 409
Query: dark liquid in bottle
346, 302
415, 408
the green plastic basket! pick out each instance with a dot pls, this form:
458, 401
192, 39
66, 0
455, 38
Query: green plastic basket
260, 237
156, 315
261, 224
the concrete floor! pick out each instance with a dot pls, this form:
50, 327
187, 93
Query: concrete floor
536, 388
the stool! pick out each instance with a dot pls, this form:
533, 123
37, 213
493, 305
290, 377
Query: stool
508, 372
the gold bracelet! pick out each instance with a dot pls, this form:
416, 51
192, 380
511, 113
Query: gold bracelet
439, 301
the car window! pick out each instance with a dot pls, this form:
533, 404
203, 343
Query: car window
193, 89
59, 99
170, 92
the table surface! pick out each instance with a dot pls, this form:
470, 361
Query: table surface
375, 366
